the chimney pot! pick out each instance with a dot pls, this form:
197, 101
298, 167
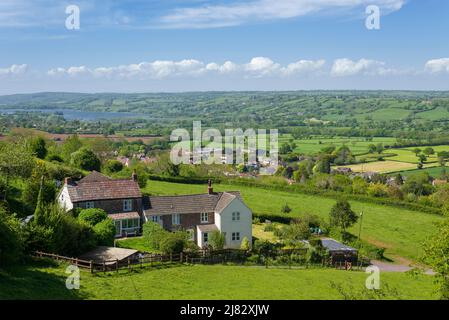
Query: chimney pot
210, 190
134, 176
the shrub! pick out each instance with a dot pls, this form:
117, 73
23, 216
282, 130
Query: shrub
217, 240
286, 209
153, 234
377, 190
105, 232
92, 216
113, 166
85, 159
269, 227
245, 245
173, 242
11, 242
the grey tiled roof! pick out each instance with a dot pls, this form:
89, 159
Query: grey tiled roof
98, 187
195, 203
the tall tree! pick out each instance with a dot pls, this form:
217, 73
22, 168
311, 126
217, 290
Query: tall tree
342, 216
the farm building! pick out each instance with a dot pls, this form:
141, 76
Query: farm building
339, 252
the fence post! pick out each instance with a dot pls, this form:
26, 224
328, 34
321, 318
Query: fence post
129, 264
76, 262
116, 265
91, 267
104, 266
171, 257
180, 257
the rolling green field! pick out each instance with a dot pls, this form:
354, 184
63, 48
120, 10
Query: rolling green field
400, 231
312, 146
216, 282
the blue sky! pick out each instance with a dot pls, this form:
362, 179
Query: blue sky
196, 45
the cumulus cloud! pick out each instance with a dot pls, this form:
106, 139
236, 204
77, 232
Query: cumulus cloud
256, 67
239, 12
14, 70
346, 67
437, 65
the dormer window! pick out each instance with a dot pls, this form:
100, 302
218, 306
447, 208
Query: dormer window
127, 205
204, 217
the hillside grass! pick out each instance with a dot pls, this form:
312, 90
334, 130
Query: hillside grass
399, 230
216, 282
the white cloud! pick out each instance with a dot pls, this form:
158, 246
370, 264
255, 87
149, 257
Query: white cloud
346, 67
14, 70
240, 12
437, 65
257, 67
303, 66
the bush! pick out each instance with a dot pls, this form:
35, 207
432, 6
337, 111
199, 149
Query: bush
217, 240
85, 159
173, 242
286, 209
377, 190
31, 191
153, 234
11, 241
245, 245
92, 216
113, 166
105, 232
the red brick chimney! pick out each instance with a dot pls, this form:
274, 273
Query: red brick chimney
210, 190
134, 176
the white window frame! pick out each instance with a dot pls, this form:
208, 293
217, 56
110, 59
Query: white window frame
127, 205
176, 219
204, 217
155, 219
236, 216
235, 236
90, 205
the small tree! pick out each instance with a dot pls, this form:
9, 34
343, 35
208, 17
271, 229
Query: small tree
342, 216
217, 240
113, 166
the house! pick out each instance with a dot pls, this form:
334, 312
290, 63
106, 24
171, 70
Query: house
202, 214
120, 198
198, 214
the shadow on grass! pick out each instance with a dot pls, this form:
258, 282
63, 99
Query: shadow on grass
38, 280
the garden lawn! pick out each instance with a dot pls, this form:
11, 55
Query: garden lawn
216, 282
400, 231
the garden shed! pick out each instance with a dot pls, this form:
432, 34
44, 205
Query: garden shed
339, 252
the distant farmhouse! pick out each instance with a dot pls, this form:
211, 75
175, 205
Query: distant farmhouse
198, 214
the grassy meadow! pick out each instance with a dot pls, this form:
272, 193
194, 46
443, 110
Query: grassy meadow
46, 280
400, 231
